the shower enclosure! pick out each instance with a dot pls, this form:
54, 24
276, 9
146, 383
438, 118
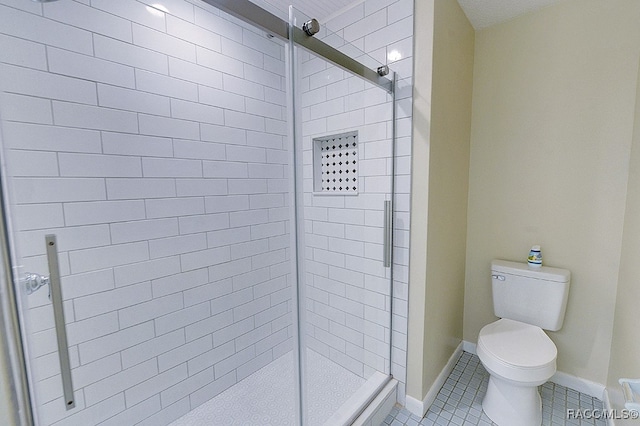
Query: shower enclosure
198, 210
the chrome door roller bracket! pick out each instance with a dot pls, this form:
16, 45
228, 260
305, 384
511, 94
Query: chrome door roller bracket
33, 282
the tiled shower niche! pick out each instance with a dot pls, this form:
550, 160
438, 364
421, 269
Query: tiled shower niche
335, 164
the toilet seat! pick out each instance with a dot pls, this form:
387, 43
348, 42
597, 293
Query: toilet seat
517, 351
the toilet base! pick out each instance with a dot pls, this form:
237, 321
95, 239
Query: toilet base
508, 404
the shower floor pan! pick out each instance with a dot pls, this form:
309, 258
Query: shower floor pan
267, 396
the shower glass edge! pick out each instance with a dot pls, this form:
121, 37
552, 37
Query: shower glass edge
297, 214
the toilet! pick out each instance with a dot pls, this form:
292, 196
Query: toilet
515, 350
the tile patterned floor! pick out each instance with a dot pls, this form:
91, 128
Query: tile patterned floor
459, 401
267, 396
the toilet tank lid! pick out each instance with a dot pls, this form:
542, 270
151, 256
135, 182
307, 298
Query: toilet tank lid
523, 269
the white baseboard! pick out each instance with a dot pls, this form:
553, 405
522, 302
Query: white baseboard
414, 406
419, 408
581, 385
469, 347
576, 383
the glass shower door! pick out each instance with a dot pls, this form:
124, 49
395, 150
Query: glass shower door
345, 141
152, 144
146, 159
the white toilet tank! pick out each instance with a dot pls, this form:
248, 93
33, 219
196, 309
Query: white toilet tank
533, 296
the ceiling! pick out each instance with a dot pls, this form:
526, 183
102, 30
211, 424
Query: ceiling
481, 13
484, 13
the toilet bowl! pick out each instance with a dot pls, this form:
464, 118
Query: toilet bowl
519, 357
515, 350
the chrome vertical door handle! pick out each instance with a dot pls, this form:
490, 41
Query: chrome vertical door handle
34, 282
388, 234
55, 290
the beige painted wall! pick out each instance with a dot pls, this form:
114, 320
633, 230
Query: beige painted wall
442, 121
625, 348
553, 108
422, 76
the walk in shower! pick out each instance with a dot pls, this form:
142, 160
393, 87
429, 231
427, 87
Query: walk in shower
198, 205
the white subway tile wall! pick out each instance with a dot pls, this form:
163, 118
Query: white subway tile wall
153, 143
348, 289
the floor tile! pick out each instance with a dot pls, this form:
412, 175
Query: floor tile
459, 401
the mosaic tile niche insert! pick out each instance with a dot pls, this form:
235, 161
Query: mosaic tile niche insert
335, 164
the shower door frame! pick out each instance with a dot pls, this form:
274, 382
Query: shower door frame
260, 18
12, 341
10, 322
